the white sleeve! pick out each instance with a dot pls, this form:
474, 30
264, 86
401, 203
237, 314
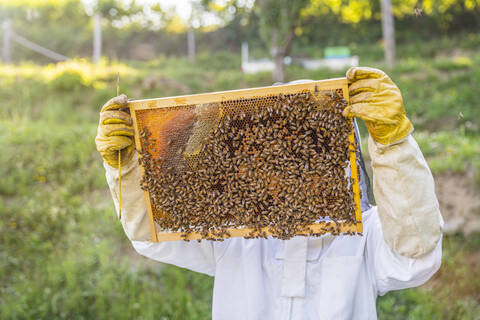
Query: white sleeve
134, 212
405, 194
197, 256
390, 270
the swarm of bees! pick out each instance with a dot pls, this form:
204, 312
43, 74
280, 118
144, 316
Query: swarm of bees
276, 164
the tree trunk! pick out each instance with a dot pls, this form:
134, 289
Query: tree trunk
97, 37
388, 30
7, 42
278, 70
278, 55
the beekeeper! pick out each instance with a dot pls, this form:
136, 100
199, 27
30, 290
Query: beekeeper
307, 277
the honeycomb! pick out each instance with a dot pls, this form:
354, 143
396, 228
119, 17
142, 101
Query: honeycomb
274, 165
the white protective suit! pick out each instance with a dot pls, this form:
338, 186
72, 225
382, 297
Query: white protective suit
312, 277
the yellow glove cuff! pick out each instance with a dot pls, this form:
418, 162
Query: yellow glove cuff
388, 134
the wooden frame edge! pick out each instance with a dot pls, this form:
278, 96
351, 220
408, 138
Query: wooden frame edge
354, 170
235, 233
329, 84
138, 145
219, 96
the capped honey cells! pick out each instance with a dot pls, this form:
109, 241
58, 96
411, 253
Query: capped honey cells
275, 164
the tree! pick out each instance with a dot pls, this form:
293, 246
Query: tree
439, 15
194, 22
98, 10
279, 20
388, 30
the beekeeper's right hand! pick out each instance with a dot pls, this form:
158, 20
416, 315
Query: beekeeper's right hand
115, 132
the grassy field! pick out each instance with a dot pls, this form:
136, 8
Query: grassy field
63, 255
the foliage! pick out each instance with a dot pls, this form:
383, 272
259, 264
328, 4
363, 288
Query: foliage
354, 11
450, 151
347, 11
61, 251
278, 21
131, 32
280, 17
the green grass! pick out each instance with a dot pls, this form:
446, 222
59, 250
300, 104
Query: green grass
450, 151
453, 293
64, 255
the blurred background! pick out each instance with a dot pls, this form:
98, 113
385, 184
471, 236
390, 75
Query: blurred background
63, 254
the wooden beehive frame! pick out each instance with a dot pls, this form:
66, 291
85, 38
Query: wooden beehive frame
314, 86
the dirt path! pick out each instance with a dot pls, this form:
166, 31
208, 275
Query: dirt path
459, 202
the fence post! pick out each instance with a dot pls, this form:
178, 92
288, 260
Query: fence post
7, 42
191, 44
97, 37
244, 52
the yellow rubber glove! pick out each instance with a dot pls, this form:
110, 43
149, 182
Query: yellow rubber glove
115, 132
378, 101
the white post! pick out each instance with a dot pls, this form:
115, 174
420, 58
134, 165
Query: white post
191, 45
7, 42
388, 29
244, 52
97, 37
